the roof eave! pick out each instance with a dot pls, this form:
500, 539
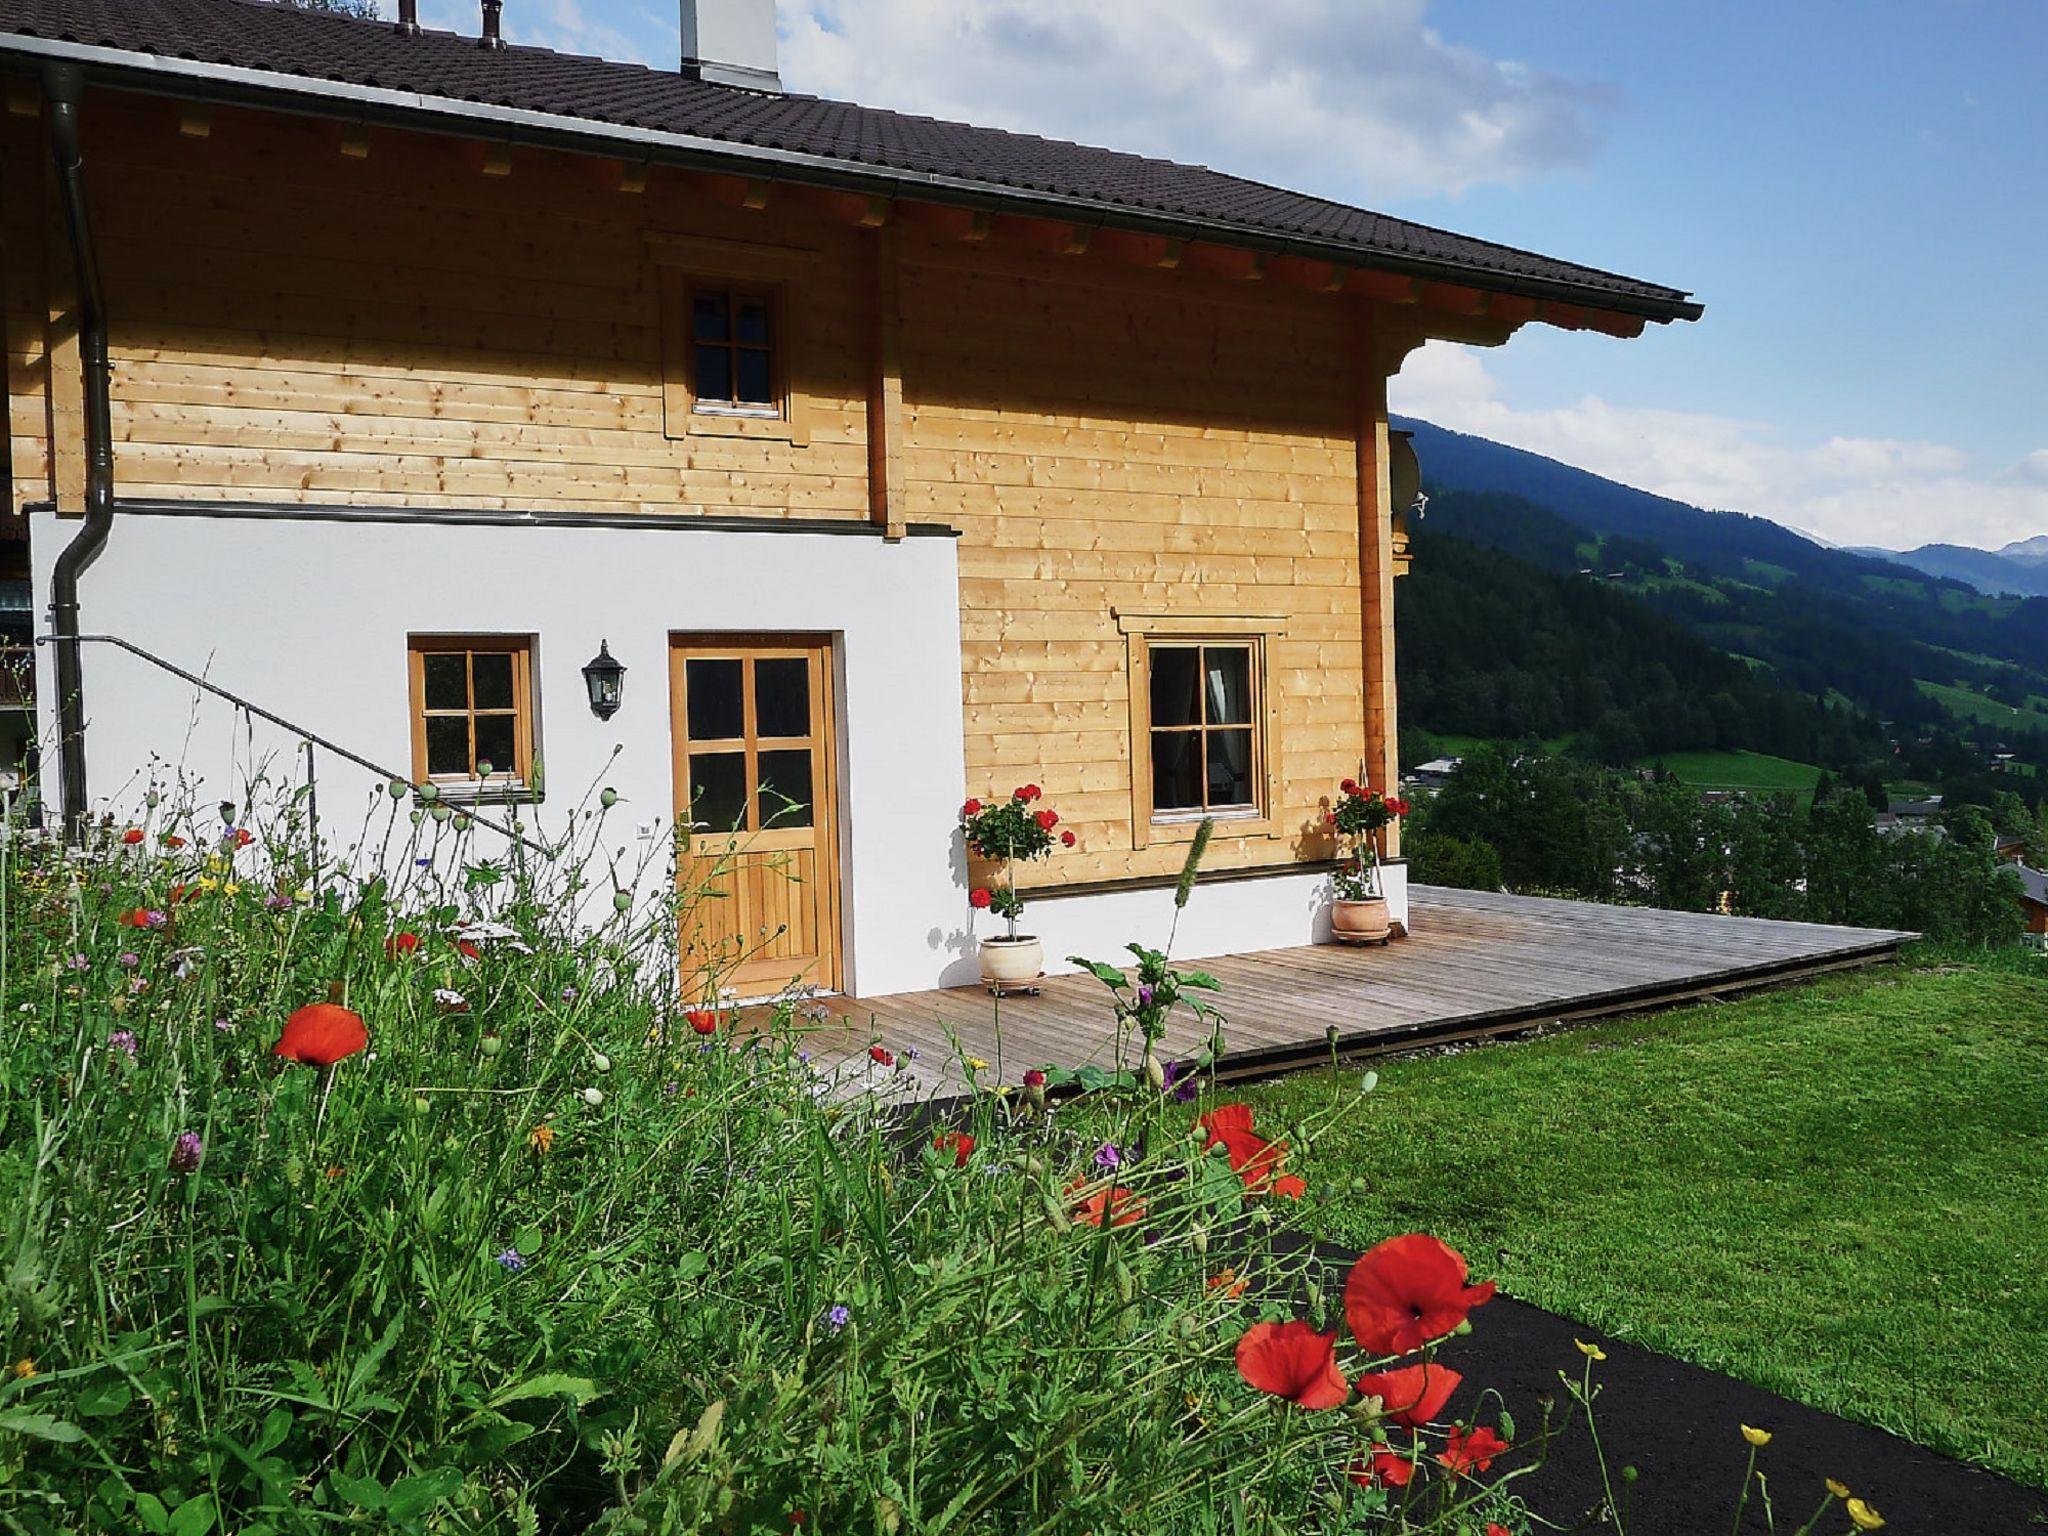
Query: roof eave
228, 84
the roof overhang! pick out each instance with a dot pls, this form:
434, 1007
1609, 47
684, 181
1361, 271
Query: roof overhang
1568, 304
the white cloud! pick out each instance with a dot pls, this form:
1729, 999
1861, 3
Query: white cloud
1882, 491
1354, 96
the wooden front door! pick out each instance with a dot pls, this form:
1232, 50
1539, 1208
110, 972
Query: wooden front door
755, 790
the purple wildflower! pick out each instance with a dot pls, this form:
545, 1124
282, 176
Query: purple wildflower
154, 918
79, 963
225, 1026
129, 958
512, 1261
838, 1317
910, 1053
1145, 995
568, 994
804, 1057
1182, 1081
1108, 1157
186, 1152
123, 1040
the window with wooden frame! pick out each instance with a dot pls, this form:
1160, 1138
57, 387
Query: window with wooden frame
472, 711
1203, 724
729, 337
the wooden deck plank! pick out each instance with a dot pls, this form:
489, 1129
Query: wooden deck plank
1475, 963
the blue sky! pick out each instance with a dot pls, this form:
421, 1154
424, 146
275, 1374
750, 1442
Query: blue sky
1859, 193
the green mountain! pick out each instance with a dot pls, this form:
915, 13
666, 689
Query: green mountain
1986, 571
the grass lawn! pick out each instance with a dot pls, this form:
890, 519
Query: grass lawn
1740, 770
1975, 706
1834, 1191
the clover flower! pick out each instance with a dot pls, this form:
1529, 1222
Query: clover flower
128, 959
187, 1152
123, 1040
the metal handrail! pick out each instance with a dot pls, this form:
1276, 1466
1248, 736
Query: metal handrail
312, 738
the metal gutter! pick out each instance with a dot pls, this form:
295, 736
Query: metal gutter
230, 84
63, 86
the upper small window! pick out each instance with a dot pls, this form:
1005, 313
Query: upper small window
1204, 728
733, 351
472, 705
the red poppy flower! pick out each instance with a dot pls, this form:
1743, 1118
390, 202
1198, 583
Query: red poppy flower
1067, 838
1495, 1528
702, 1020
138, 918
244, 837
971, 808
320, 1034
1388, 1468
1047, 820
1122, 1206
959, 1143
1472, 1452
1226, 1118
468, 950
401, 944
182, 892
132, 836
980, 898
1290, 1186
1413, 1395
1408, 1291
172, 840
1253, 1159
1293, 1361
1034, 1078
882, 1055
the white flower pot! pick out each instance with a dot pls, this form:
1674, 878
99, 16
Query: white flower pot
1011, 965
1361, 922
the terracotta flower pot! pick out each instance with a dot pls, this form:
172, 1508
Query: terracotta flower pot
1361, 922
1011, 965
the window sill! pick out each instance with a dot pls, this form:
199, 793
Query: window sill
1178, 828
702, 423
465, 795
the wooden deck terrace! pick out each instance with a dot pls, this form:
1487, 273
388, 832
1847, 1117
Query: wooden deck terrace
1474, 964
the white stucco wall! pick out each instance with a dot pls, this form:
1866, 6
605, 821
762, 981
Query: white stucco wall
308, 615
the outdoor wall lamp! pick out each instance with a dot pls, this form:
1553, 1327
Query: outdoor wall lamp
605, 676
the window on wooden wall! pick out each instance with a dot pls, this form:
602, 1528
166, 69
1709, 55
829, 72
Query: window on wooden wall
735, 364
1203, 726
729, 340
472, 711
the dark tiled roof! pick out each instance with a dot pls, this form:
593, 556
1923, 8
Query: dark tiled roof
614, 100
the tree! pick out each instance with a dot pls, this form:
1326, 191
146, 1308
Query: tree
355, 10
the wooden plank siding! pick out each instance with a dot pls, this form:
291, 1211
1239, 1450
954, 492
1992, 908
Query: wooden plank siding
292, 324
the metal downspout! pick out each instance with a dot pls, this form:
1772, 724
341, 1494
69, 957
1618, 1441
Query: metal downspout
63, 88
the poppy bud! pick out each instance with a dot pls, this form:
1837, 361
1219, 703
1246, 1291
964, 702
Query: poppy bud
888, 1516
1200, 1238
415, 818
608, 797
440, 812
490, 1045
594, 1097
1035, 1166
1055, 1215
483, 769
430, 793
1126, 1286
1315, 1296
602, 1062
152, 799
622, 901
462, 823
398, 788
1155, 1074
419, 1105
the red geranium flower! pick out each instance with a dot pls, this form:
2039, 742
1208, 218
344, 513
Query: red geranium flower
1397, 807
1047, 820
401, 944
882, 1055
959, 1143
1293, 1361
1408, 1291
1471, 1452
1122, 1206
702, 1020
1388, 1468
320, 1034
980, 898
1349, 786
1413, 1395
132, 836
971, 808
1067, 838
1029, 792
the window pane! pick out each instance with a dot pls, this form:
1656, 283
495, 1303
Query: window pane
710, 317
756, 380
782, 697
496, 744
1174, 683
714, 374
492, 673
448, 745
786, 778
1176, 771
1230, 768
717, 707
1229, 670
447, 681
751, 325
718, 791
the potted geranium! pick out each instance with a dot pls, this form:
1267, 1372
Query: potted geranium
1010, 832
1358, 914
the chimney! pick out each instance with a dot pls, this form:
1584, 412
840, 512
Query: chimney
408, 18
731, 42
493, 14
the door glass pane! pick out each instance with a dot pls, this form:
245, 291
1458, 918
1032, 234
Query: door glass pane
752, 327
1174, 683
492, 672
782, 696
1176, 770
786, 788
447, 680
495, 744
714, 373
717, 704
756, 385
1229, 670
448, 745
710, 316
1230, 768
718, 791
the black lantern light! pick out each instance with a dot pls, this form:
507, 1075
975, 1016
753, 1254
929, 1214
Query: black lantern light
605, 676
